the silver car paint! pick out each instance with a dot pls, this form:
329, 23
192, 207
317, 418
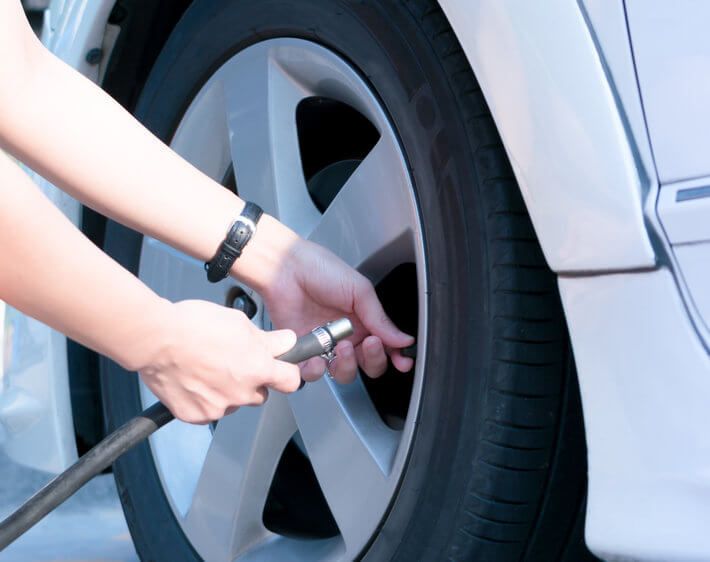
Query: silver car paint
684, 209
644, 377
560, 84
560, 121
671, 46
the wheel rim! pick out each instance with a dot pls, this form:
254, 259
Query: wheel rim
218, 481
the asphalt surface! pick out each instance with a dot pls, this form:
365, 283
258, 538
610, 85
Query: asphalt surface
88, 527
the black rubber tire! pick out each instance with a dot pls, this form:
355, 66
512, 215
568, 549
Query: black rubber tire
497, 467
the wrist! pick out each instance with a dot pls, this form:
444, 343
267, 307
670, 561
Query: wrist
267, 256
151, 338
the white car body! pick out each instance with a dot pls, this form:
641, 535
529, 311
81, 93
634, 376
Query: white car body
602, 107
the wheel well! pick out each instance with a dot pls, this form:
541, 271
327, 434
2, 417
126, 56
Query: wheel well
145, 26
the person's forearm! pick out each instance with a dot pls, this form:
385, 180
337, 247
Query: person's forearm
50, 271
71, 132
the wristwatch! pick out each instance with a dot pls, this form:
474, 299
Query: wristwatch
239, 234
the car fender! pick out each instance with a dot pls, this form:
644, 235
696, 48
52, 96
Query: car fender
566, 132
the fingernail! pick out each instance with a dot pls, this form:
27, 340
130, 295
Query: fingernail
406, 365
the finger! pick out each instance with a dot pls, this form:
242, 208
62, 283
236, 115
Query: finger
401, 363
192, 415
312, 369
280, 341
259, 396
188, 410
344, 368
373, 358
369, 309
196, 419
285, 377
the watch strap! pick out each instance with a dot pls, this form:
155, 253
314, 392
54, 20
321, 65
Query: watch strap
241, 231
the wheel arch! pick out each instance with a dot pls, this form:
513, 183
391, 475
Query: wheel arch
565, 127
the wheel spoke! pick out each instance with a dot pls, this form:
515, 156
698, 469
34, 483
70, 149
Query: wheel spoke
225, 517
176, 276
202, 137
350, 448
369, 223
261, 117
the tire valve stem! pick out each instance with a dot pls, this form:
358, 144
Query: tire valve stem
410, 351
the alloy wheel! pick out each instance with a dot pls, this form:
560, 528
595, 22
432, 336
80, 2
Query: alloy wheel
270, 121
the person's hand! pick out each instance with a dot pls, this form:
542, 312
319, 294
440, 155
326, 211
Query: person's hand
314, 286
216, 360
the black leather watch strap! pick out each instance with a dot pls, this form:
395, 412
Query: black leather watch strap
233, 244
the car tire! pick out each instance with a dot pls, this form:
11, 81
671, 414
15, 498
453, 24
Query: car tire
497, 465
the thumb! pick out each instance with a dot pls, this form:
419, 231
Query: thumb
369, 309
279, 342
285, 377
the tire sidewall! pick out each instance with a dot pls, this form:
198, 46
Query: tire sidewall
383, 42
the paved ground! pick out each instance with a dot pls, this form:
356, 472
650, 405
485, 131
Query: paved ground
89, 527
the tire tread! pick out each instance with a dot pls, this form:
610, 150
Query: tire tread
526, 386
